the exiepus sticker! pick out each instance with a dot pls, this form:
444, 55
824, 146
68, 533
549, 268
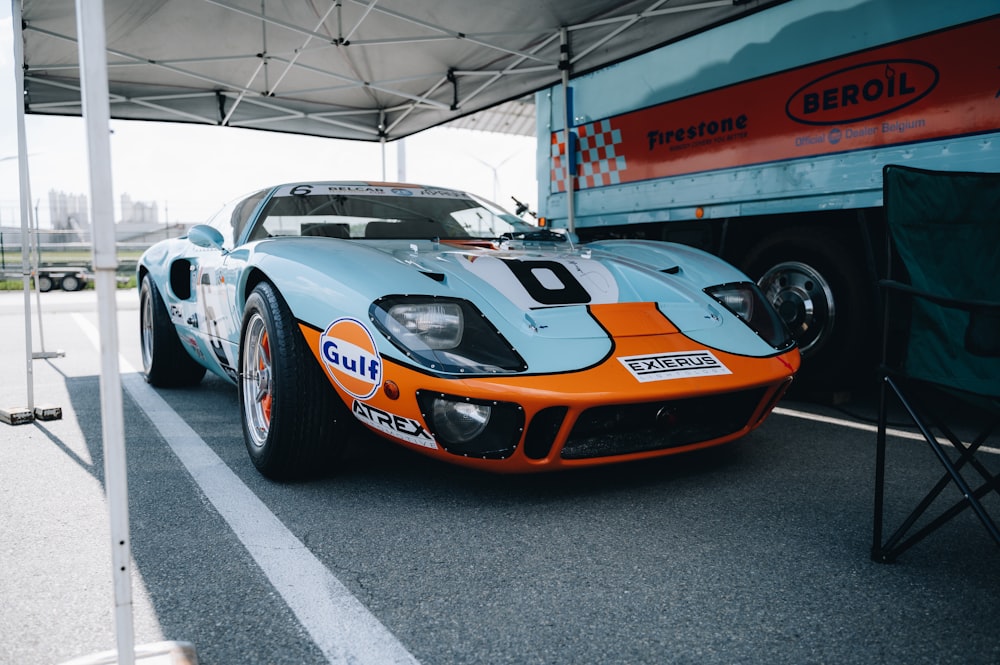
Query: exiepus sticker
351, 357
399, 427
680, 365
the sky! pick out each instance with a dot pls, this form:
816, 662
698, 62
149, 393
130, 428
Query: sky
190, 171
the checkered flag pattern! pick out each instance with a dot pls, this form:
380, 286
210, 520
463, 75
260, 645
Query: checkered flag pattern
598, 163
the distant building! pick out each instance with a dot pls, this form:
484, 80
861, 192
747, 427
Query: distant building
139, 212
69, 213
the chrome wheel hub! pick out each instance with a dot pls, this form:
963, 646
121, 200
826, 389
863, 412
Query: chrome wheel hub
804, 301
256, 380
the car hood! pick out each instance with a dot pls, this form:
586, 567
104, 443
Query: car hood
550, 288
543, 299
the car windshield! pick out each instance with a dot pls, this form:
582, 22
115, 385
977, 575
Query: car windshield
384, 212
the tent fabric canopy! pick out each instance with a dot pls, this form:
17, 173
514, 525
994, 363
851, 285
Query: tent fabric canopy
353, 69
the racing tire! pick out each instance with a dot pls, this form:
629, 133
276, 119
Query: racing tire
71, 283
825, 301
165, 363
294, 423
44, 283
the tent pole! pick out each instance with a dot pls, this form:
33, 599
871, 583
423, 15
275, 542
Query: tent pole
382, 142
567, 94
382, 146
97, 114
25, 193
401, 161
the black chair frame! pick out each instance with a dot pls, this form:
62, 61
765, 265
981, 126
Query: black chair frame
925, 402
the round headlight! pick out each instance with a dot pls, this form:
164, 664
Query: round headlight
459, 421
745, 300
444, 334
739, 301
437, 325
472, 427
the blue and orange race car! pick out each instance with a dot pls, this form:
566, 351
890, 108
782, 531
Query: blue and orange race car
451, 327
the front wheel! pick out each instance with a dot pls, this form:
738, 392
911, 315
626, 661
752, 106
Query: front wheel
165, 363
294, 424
820, 291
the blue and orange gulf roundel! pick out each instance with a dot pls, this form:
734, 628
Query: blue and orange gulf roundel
351, 357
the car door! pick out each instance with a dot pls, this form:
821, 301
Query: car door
218, 272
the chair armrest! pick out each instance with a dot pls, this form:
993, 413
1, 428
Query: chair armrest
944, 301
982, 335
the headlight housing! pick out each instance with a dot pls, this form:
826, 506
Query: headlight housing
435, 325
445, 334
470, 427
746, 301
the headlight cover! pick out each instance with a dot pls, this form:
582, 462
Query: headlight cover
746, 301
470, 427
445, 334
436, 325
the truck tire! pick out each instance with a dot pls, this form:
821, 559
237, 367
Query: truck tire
825, 300
71, 283
44, 283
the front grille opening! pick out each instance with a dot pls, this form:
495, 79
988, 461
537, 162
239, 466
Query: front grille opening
632, 428
542, 431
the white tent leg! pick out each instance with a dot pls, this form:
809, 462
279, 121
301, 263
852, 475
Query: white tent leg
564, 65
25, 193
97, 117
401, 161
36, 241
20, 415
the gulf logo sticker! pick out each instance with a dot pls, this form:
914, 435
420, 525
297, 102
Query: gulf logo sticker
351, 357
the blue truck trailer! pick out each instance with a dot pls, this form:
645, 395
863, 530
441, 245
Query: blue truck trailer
763, 140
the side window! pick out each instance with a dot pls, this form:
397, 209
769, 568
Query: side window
231, 220
244, 210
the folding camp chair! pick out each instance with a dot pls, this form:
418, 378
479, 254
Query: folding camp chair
943, 281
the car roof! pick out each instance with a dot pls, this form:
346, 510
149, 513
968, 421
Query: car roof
365, 183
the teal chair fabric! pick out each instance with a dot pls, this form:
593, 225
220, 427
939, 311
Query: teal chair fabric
941, 296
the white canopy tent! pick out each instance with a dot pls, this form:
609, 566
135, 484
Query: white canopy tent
355, 69
370, 70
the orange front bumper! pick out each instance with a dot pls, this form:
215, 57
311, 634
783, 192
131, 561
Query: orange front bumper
597, 415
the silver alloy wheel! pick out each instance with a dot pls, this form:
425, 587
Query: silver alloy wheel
146, 330
256, 380
804, 301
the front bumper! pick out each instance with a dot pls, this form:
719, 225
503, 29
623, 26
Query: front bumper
597, 415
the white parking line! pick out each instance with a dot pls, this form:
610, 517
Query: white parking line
340, 625
899, 433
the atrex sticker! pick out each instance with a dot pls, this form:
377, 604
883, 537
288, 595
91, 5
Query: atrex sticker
680, 365
396, 426
351, 357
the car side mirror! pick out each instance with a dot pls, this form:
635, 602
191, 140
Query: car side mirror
206, 236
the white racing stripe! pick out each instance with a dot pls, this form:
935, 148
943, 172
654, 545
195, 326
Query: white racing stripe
340, 625
902, 434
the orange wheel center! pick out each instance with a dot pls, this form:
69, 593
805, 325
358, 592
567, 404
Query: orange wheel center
264, 367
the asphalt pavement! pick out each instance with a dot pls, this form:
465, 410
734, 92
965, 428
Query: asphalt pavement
756, 552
